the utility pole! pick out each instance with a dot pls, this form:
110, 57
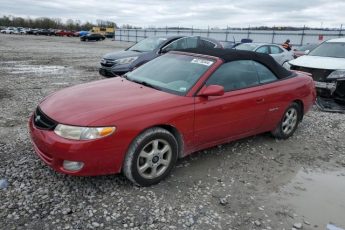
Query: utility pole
302, 35
341, 29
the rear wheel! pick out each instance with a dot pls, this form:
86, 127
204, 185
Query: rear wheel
288, 124
151, 157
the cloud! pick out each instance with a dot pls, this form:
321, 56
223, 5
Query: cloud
200, 14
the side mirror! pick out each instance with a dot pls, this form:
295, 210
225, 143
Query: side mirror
211, 90
306, 52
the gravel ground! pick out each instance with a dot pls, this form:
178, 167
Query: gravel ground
240, 185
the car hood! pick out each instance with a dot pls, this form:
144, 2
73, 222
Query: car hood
318, 62
102, 103
122, 54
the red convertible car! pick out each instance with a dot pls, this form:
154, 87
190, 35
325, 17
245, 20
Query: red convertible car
174, 105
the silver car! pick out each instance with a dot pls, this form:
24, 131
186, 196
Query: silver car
281, 55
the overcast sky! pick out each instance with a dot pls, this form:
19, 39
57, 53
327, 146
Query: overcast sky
198, 13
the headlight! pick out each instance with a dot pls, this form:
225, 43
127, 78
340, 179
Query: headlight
83, 133
337, 75
125, 60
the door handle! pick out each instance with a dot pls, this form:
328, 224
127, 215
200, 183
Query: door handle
260, 100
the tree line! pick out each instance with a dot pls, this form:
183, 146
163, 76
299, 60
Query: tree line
52, 23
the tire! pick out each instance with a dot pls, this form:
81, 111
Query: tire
156, 152
289, 122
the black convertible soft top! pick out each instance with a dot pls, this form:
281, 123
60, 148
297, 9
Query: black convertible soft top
228, 55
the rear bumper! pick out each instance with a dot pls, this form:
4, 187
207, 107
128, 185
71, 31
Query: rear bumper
100, 157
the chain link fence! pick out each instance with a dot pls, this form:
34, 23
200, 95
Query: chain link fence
297, 38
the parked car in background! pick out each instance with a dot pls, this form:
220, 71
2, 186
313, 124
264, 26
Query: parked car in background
44, 32
303, 50
118, 63
92, 37
23, 30
31, 31
109, 35
233, 44
64, 33
326, 64
281, 55
174, 105
9, 30
81, 33
228, 44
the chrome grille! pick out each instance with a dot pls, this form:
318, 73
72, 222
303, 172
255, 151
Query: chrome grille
107, 62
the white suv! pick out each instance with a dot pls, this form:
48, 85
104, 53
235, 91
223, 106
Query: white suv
326, 63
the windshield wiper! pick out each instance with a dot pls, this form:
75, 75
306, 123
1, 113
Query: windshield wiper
137, 51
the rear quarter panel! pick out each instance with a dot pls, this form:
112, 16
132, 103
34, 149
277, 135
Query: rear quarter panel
284, 92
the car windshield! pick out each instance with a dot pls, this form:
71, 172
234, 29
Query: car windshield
329, 49
246, 46
147, 44
171, 73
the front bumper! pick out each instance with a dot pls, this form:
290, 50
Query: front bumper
111, 70
331, 86
331, 96
329, 105
100, 157
106, 72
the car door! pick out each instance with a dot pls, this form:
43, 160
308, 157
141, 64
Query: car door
240, 111
275, 98
93, 37
277, 53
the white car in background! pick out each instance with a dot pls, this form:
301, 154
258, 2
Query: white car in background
326, 64
281, 55
9, 30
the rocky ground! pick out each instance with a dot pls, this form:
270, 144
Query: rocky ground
247, 184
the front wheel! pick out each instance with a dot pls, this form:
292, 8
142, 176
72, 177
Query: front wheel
288, 124
150, 157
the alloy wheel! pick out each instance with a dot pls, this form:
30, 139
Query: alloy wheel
290, 121
154, 159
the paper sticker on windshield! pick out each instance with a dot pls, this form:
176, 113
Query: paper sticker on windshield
202, 61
